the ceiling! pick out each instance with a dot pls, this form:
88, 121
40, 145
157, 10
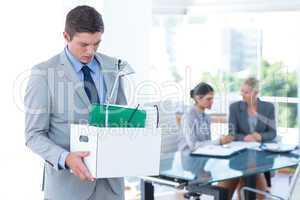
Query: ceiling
186, 6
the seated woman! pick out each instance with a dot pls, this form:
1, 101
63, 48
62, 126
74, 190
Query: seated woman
251, 120
196, 123
196, 126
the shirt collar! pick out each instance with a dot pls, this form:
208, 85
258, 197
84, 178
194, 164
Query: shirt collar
198, 112
78, 65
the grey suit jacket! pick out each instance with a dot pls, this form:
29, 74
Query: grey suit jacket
54, 99
238, 120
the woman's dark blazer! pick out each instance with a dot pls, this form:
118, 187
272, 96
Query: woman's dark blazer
238, 120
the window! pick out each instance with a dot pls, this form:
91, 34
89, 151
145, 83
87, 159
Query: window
225, 48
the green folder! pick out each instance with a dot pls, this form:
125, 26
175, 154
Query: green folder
118, 116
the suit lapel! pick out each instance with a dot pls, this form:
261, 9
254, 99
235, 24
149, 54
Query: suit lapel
71, 75
244, 117
259, 116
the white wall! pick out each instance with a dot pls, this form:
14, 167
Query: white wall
31, 32
127, 33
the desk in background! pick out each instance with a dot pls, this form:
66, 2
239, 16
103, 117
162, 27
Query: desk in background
197, 173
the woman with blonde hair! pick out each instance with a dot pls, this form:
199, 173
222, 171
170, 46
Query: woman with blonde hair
251, 120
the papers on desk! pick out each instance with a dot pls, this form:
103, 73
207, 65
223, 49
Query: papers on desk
246, 145
224, 150
278, 148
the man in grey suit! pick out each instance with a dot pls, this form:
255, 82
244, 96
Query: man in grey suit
59, 92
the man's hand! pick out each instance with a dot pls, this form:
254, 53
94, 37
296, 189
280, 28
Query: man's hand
226, 139
74, 161
255, 137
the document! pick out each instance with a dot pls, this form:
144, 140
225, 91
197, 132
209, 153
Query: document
280, 148
224, 150
246, 145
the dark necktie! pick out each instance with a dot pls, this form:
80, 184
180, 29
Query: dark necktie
89, 85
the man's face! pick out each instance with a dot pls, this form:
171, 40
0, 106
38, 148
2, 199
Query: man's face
84, 45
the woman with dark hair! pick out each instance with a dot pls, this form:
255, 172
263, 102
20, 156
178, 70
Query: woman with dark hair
195, 130
196, 123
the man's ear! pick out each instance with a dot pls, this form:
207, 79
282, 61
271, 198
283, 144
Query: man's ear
67, 36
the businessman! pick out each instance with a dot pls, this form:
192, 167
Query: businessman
59, 92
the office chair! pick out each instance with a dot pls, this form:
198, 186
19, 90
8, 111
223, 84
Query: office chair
294, 190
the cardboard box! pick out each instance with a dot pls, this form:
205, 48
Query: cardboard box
118, 152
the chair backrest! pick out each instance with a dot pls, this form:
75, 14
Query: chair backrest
294, 193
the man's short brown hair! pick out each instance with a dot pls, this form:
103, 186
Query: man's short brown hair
83, 19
